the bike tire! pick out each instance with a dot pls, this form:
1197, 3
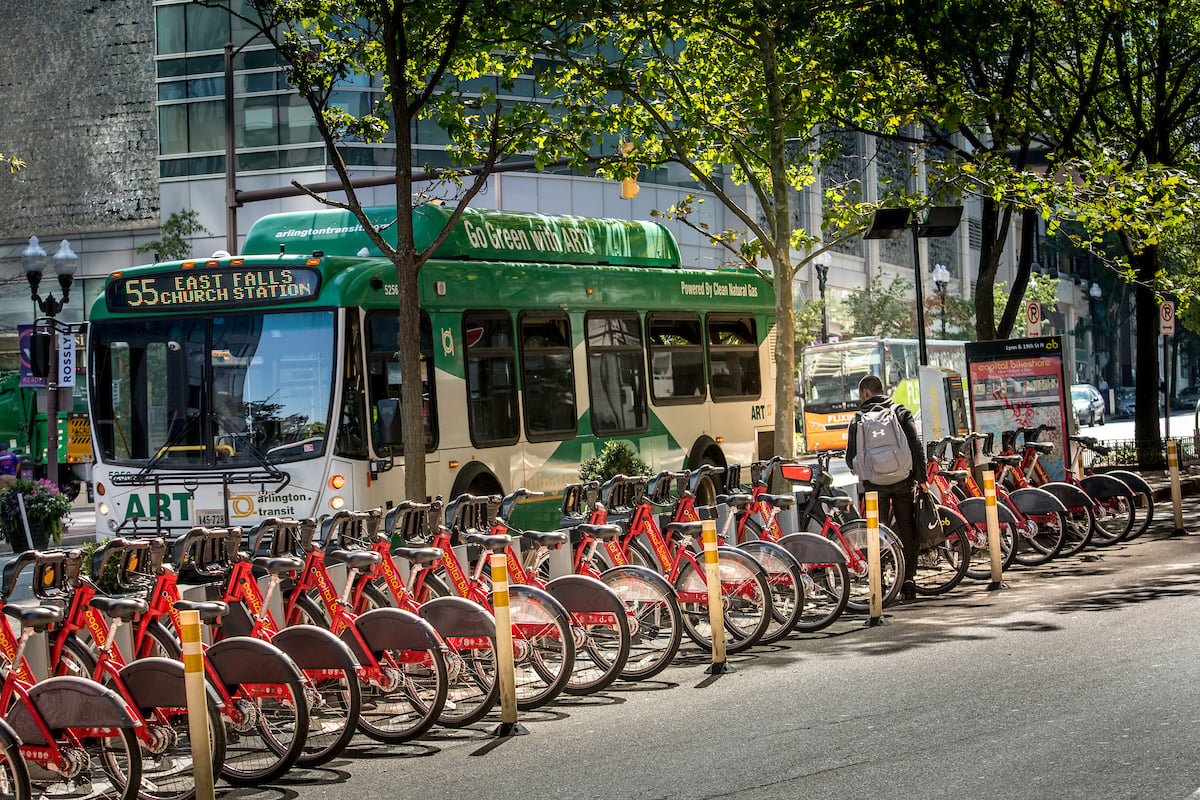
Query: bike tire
601, 650
334, 703
1045, 542
1114, 518
406, 708
942, 567
543, 645
655, 624
1078, 534
745, 593
114, 768
980, 567
472, 689
14, 772
891, 571
1142, 500
786, 582
826, 593
268, 735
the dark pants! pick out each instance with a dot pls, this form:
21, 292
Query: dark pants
896, 509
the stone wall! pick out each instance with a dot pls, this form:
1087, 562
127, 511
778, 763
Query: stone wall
77, 104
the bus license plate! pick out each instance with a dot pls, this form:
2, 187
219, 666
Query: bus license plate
210, 517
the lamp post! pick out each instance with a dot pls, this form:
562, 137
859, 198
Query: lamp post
1094, 295
941, 279
822, 274
939, 221
65, 262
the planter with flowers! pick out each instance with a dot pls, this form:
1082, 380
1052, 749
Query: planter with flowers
38, 502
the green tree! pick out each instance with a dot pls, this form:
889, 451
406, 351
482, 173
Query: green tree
735, 93
879, 311
174, 245
426, 57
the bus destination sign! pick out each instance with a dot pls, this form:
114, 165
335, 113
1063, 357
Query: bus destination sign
213, 288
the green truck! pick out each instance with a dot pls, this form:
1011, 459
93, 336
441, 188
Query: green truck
23, 429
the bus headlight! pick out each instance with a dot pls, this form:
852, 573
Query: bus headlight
337, 502
103, 509
112, 525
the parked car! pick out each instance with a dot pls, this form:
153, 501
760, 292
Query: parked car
1189, 396
1125, 404
1088, 404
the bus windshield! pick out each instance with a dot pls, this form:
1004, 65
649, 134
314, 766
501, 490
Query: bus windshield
831, 375
231, 391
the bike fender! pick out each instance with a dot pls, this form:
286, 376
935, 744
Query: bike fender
240, 659
974, 511
582, 593
237, 622
154, 682
1134, 481
69, 702
642, 572
314, 648
517, 590
1070, 494
1105, 487
812, 548
856, 531
740, 556
395, 629
952, 521
1032, 500
458, 617
774, 549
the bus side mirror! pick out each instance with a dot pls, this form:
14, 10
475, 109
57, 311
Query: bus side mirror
387, 415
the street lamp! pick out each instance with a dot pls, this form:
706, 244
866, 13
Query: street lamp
33, 262
939, 221
941, 279
822, 269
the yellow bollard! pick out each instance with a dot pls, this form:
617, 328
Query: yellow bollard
505, 669
1176, 488
993, 526
716, 609
874, 576
197, 703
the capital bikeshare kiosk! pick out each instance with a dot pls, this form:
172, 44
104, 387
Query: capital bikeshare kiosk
943, 404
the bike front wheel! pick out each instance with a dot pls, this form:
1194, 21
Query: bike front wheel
655, 624
1078, 534
1042, 539
1114, 519
891, 568
826, 592
14, 772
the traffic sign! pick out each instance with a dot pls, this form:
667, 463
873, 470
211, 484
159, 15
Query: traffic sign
1166, 318
1033, 318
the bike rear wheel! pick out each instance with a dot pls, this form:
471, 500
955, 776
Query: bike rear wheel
1114, 519
1078, 534
1045, 539
655, 623
891, 571
544, 648
940, 568
745, 596
980, 567
826, 592
471, 668
786, 582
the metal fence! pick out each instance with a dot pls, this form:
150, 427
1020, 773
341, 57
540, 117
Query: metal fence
1135, 453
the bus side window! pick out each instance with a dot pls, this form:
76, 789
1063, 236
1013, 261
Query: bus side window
547, 376
385, 382
733, 357
616, 373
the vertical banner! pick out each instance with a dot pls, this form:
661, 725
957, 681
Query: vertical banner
28, 381
1020, 383
66, 360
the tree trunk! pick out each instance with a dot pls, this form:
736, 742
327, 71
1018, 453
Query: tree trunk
990, 247
1146, 394
781, 256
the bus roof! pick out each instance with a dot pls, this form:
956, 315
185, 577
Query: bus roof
479, 234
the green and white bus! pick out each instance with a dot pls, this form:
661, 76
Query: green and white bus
228, 390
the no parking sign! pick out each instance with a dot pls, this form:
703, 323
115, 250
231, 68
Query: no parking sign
1166, 318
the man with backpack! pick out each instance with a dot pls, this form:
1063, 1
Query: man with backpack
884, 451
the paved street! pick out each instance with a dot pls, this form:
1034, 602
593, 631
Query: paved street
1076, 681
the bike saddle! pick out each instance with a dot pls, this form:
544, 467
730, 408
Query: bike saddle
1040, 447
777, 500
354, 559
685, 528
211, 611
956, 475
419, 555
122, 608
840, 503
1010, 460
602, 532
279, 565
492, 543
39, 618
551, 539
735, 499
